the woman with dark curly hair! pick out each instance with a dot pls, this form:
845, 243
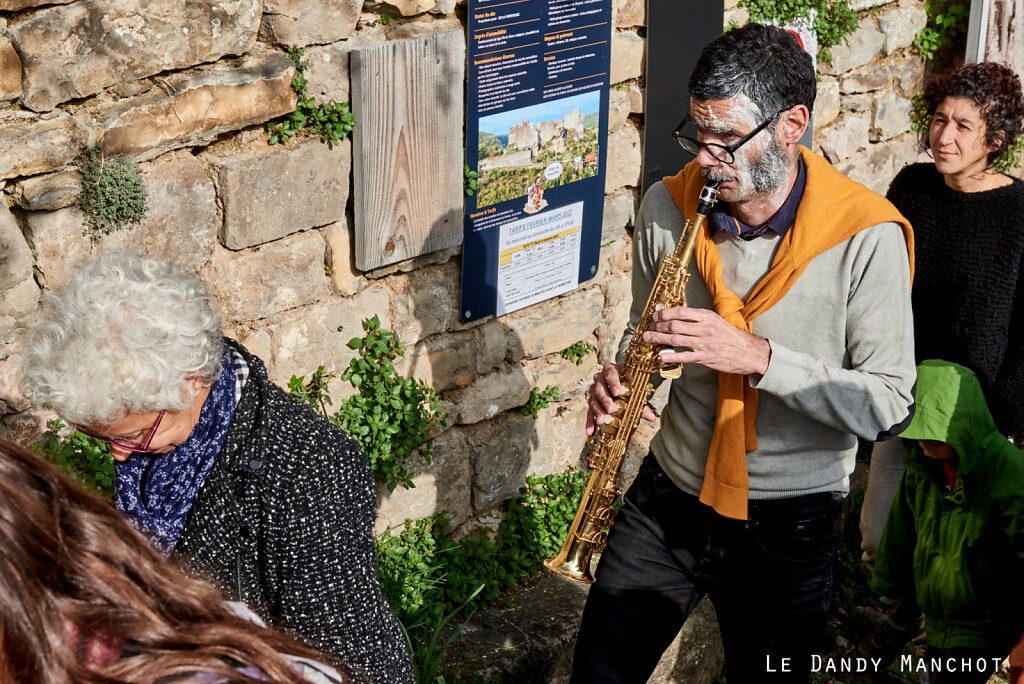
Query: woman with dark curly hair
84, 599
968, 219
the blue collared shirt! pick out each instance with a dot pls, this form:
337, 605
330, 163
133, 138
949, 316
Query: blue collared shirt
720, 219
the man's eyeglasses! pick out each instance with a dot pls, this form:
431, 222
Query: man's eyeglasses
723, 153
125, 444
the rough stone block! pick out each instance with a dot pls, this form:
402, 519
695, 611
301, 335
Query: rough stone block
844, 139
275, 277
11, 397
902, 25
488, 396
10, 71
636, 98
501, 455
57, 243
618, 108
619, 295
311, 336
194, 108
572, 380
909, 75
103, 42
444, 361
561, 434
295, 23
826, 103
628, 13
268, 192
423, 304
327, 77
624, 159
553, 325
346, 280
36, 147
619, 212
258, 343
491, 341
25, 427
891, 116
441, 485
406, 8
627, 56
14, 5
424, 27
859, 48
19, 293
49, 192
181, 225
865, 80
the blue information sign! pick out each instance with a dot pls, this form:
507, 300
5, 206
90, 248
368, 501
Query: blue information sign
536, 136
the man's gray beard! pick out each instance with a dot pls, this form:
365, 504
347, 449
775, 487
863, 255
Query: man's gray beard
766, 174
770, 171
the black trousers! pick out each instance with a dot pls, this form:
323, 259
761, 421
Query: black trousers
770, 579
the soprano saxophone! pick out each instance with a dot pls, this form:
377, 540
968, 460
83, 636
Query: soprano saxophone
605, 450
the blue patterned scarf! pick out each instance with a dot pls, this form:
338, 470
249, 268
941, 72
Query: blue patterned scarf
156, 491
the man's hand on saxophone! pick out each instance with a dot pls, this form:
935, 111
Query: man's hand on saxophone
603, 392
711, 340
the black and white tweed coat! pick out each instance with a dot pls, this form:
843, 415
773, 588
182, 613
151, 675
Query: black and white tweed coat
284, 523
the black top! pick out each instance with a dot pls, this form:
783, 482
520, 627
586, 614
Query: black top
968, 293
284, 523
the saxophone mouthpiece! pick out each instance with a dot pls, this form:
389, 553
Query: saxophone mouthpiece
708, 196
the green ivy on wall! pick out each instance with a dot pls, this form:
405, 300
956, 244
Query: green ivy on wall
834, 19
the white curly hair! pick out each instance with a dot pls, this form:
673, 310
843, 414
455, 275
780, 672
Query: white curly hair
122, 338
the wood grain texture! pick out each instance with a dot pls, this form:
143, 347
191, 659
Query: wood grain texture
407, 149
1004, 42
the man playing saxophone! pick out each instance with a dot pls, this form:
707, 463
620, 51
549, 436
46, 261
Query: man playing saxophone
796, 339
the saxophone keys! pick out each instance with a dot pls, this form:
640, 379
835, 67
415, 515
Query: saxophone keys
671, 371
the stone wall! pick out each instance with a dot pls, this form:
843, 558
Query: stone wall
184, 87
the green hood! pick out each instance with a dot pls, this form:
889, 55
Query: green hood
951, 408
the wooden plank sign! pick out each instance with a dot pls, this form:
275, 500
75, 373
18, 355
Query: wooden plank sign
407, 149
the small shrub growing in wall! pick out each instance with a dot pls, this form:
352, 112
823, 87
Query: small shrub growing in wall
113, 193
332, 121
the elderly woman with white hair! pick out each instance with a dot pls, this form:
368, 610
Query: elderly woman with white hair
218, 466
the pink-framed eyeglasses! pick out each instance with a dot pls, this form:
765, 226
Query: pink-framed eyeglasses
128, 445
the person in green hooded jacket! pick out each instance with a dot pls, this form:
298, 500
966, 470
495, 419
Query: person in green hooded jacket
953, 543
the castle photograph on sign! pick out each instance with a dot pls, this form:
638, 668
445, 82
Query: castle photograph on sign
523, 152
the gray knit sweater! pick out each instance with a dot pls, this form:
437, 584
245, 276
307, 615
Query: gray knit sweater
283, 523
842, 362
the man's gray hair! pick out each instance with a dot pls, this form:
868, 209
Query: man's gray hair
764, 63
122, 338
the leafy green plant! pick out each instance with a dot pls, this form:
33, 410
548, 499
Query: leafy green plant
834, 19
920, 122
428, 654
84, 458
577, 351
947, 22
390, 416
113, 193
332, 121
470, 180
539, 399
385, 19
313, 392
425, 573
